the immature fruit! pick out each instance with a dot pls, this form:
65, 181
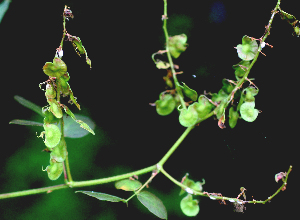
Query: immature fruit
54, 170
165, 105
52, 135
248, 112
188, 117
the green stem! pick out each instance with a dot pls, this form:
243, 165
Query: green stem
143, 186
178, 89
241, 81
77, 184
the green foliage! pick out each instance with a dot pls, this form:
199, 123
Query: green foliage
102, 196
58, 125
153, 204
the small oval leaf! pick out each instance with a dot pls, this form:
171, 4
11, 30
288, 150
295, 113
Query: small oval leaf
128, 185
153, 204
102, 196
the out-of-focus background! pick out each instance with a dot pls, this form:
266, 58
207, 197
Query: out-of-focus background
120, 37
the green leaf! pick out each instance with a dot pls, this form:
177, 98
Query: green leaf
162, 65
55, 69
188, 92
29, 104
189, 206
248, 48
188, 117
177, 45
102, 196
165, 105
81, 123
25, 122
79, 48
153, 204
3, 8
128, 185
248, 112
73, 129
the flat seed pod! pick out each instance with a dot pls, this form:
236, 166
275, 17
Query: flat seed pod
59, 152
54, 170
52, 135
248, 112
188, 117
55, 69
165, 105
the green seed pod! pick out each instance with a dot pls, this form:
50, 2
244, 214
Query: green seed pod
49, 117
52, 135
55, 69
59, 152
54, 170
165, 105
188, 117
248, 112
233, 117
55, 109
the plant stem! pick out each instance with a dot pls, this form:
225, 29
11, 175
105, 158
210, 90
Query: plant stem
178, 89
77, 184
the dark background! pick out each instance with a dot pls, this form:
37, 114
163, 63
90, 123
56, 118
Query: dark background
120, 37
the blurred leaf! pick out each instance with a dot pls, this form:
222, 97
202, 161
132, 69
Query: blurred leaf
82, 124
189, 206
128, 185
102, 196
3, 8
73, 129
25, 122
153, 204
29, 104
79, 48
